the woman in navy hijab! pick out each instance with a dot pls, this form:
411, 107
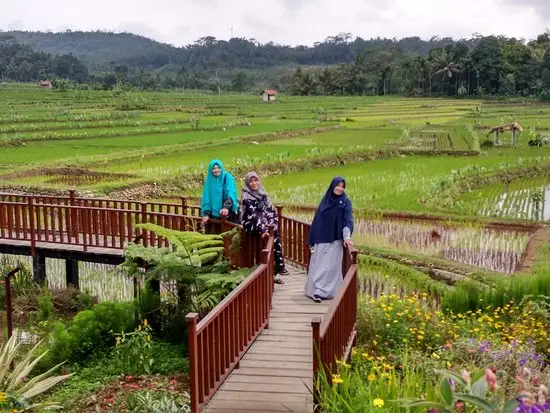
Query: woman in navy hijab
330, 232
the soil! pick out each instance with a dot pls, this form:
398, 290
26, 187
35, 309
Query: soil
148, 190
540, 237
112, 397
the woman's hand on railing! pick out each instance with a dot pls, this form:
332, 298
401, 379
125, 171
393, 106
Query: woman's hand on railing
348, 243
205, 219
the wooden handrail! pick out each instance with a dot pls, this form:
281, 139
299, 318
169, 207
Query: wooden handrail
217, 343
334, 335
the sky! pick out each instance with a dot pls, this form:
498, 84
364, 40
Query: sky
292, 22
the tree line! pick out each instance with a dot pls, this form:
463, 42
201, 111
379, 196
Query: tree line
340, 65
489, 66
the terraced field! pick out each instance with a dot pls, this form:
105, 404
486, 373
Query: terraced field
396, 154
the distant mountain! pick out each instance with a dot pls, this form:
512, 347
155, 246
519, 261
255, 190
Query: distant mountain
98, 49
102, 50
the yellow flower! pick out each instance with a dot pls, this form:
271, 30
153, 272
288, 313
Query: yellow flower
436, 356
378, 403
139, 328
3, 397
148, 338
371, 377
145, 323
336, 379
342, 363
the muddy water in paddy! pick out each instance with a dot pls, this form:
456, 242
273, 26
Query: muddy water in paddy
526, 203
487, 248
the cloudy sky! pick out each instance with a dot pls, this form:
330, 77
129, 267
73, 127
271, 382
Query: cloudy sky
293, 22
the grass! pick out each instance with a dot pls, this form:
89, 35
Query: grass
390, 184
165, 148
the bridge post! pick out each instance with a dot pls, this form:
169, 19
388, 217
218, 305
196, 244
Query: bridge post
73, 215
316, 327
184, 205
144, 221
39, 269
192, 348
71, 273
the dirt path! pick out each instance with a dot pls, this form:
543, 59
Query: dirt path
540, 237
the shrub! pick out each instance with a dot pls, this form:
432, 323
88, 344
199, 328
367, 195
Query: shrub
134, 351
89, 332
45, 306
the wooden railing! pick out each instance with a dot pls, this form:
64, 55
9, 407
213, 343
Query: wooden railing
185, 206
39, 220
217, 343
294, 236
334, 335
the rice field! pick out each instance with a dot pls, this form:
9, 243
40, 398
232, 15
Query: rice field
522, 199
477, 246
392, 152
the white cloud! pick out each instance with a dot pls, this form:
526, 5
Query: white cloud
283, 21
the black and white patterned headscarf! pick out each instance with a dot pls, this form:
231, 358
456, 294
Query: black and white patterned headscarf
259, 195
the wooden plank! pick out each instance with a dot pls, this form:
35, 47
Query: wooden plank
260, 406
275, 365
274, 372
267, 380
280, 342
285, 333
268, 388
261, 348
278, 357
262, 396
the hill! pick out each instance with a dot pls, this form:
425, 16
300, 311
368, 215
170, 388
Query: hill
99, 50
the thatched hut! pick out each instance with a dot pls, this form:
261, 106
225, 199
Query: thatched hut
513, 127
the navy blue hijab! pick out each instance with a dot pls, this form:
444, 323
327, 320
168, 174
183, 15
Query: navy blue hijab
332, 216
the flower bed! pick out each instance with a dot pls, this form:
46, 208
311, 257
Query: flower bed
410, 355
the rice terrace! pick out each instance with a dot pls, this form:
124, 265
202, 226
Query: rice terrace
446, 292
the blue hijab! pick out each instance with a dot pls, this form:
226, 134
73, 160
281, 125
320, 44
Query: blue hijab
217, 189
332, 216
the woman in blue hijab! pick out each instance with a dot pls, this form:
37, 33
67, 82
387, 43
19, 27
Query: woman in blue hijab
330, 232
219, 195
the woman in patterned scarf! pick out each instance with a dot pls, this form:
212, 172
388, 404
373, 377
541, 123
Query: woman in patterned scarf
258, 214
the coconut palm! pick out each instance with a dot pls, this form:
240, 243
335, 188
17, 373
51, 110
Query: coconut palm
15, 386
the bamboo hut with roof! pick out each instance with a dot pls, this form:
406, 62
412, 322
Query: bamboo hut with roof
513, 127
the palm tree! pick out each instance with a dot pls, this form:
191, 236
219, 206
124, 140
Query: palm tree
448, 69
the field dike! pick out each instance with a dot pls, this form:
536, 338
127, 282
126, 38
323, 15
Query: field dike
69, 176
195, 180
267, 137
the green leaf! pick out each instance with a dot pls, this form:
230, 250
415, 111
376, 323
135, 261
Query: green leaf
476, 401
452, 375
480, 388
510, 406
425, 403
446, 391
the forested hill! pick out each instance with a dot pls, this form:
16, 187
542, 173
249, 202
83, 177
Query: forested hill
100, 50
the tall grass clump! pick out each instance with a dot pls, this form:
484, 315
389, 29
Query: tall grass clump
470, 296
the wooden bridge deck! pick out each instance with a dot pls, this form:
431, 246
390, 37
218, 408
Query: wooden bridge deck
275, 375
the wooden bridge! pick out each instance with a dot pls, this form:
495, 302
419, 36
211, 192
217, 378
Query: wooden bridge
263, 348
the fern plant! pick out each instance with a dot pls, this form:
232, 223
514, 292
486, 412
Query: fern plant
194, 260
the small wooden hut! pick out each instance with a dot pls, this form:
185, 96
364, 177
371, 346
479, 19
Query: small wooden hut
45, 84
514, 127
269, 95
